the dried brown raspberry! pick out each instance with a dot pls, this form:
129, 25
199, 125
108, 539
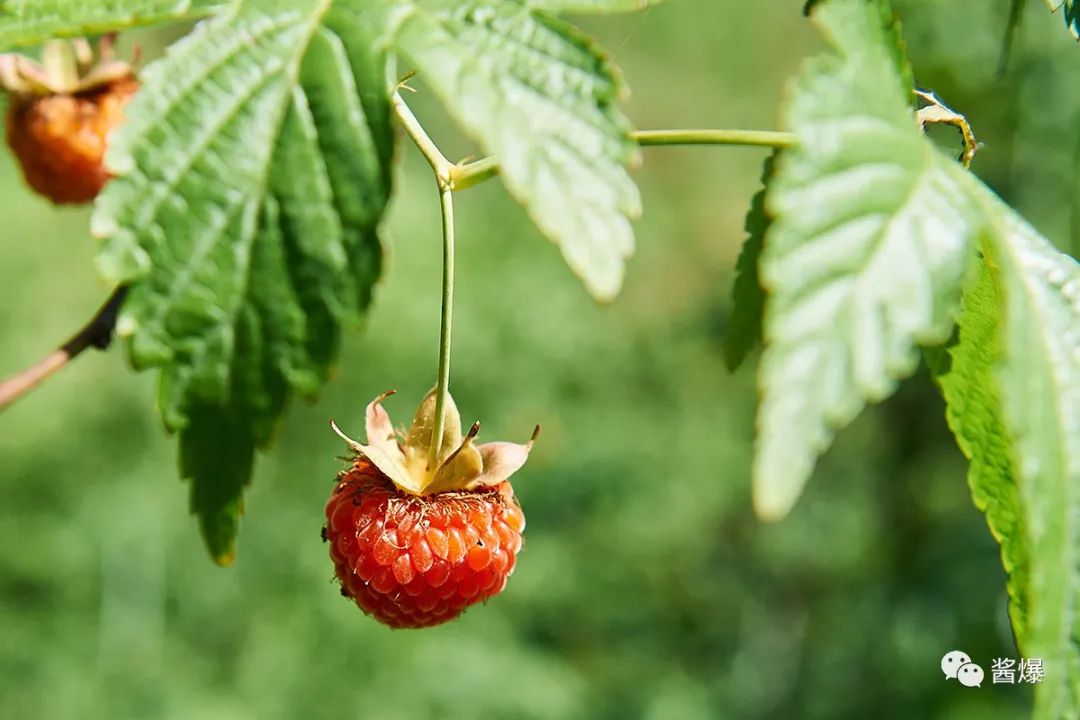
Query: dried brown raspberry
61, 114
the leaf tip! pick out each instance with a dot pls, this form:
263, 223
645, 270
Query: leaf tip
224, 559
734, 355
219, 530
769, 506
779, 477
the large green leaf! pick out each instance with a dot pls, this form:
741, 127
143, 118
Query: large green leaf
865, 259
867, 251
1040, 388
969, 384
540, 96
253, 171
28, 22
1013, 391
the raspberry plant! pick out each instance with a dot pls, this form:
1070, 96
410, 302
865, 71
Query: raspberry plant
254, 167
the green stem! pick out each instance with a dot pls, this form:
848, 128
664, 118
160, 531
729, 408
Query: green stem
474, 173
444, 172
446, 197
443, 168
451, 177
754, 138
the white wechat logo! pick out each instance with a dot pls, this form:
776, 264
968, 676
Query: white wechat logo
957, 665
970, 675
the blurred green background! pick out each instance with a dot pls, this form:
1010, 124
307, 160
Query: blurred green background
646, 588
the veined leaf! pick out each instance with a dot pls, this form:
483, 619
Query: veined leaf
973, 411
744, 330
540, 96
865, 260
867, 251
253, 169
29, 22
1040, 388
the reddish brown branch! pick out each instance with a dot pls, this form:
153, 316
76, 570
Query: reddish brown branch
97, 334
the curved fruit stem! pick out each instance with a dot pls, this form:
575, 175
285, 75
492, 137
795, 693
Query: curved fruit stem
444, 177
458, 176
446, 197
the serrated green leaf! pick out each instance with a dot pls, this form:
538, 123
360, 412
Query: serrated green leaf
540, 96
29, 22
969, 384
748, 297
253, 170
866, 254
1040, 388
842, 329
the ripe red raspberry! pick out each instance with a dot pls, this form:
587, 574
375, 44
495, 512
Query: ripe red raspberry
414, 547
412, 561
60, 117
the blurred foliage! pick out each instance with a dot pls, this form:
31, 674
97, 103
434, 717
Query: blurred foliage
646, 588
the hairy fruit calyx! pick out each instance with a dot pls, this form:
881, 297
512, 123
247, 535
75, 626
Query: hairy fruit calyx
459, 464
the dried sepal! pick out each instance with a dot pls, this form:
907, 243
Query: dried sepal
501, 460
67, 67
382, 449
461, 464
377, 423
